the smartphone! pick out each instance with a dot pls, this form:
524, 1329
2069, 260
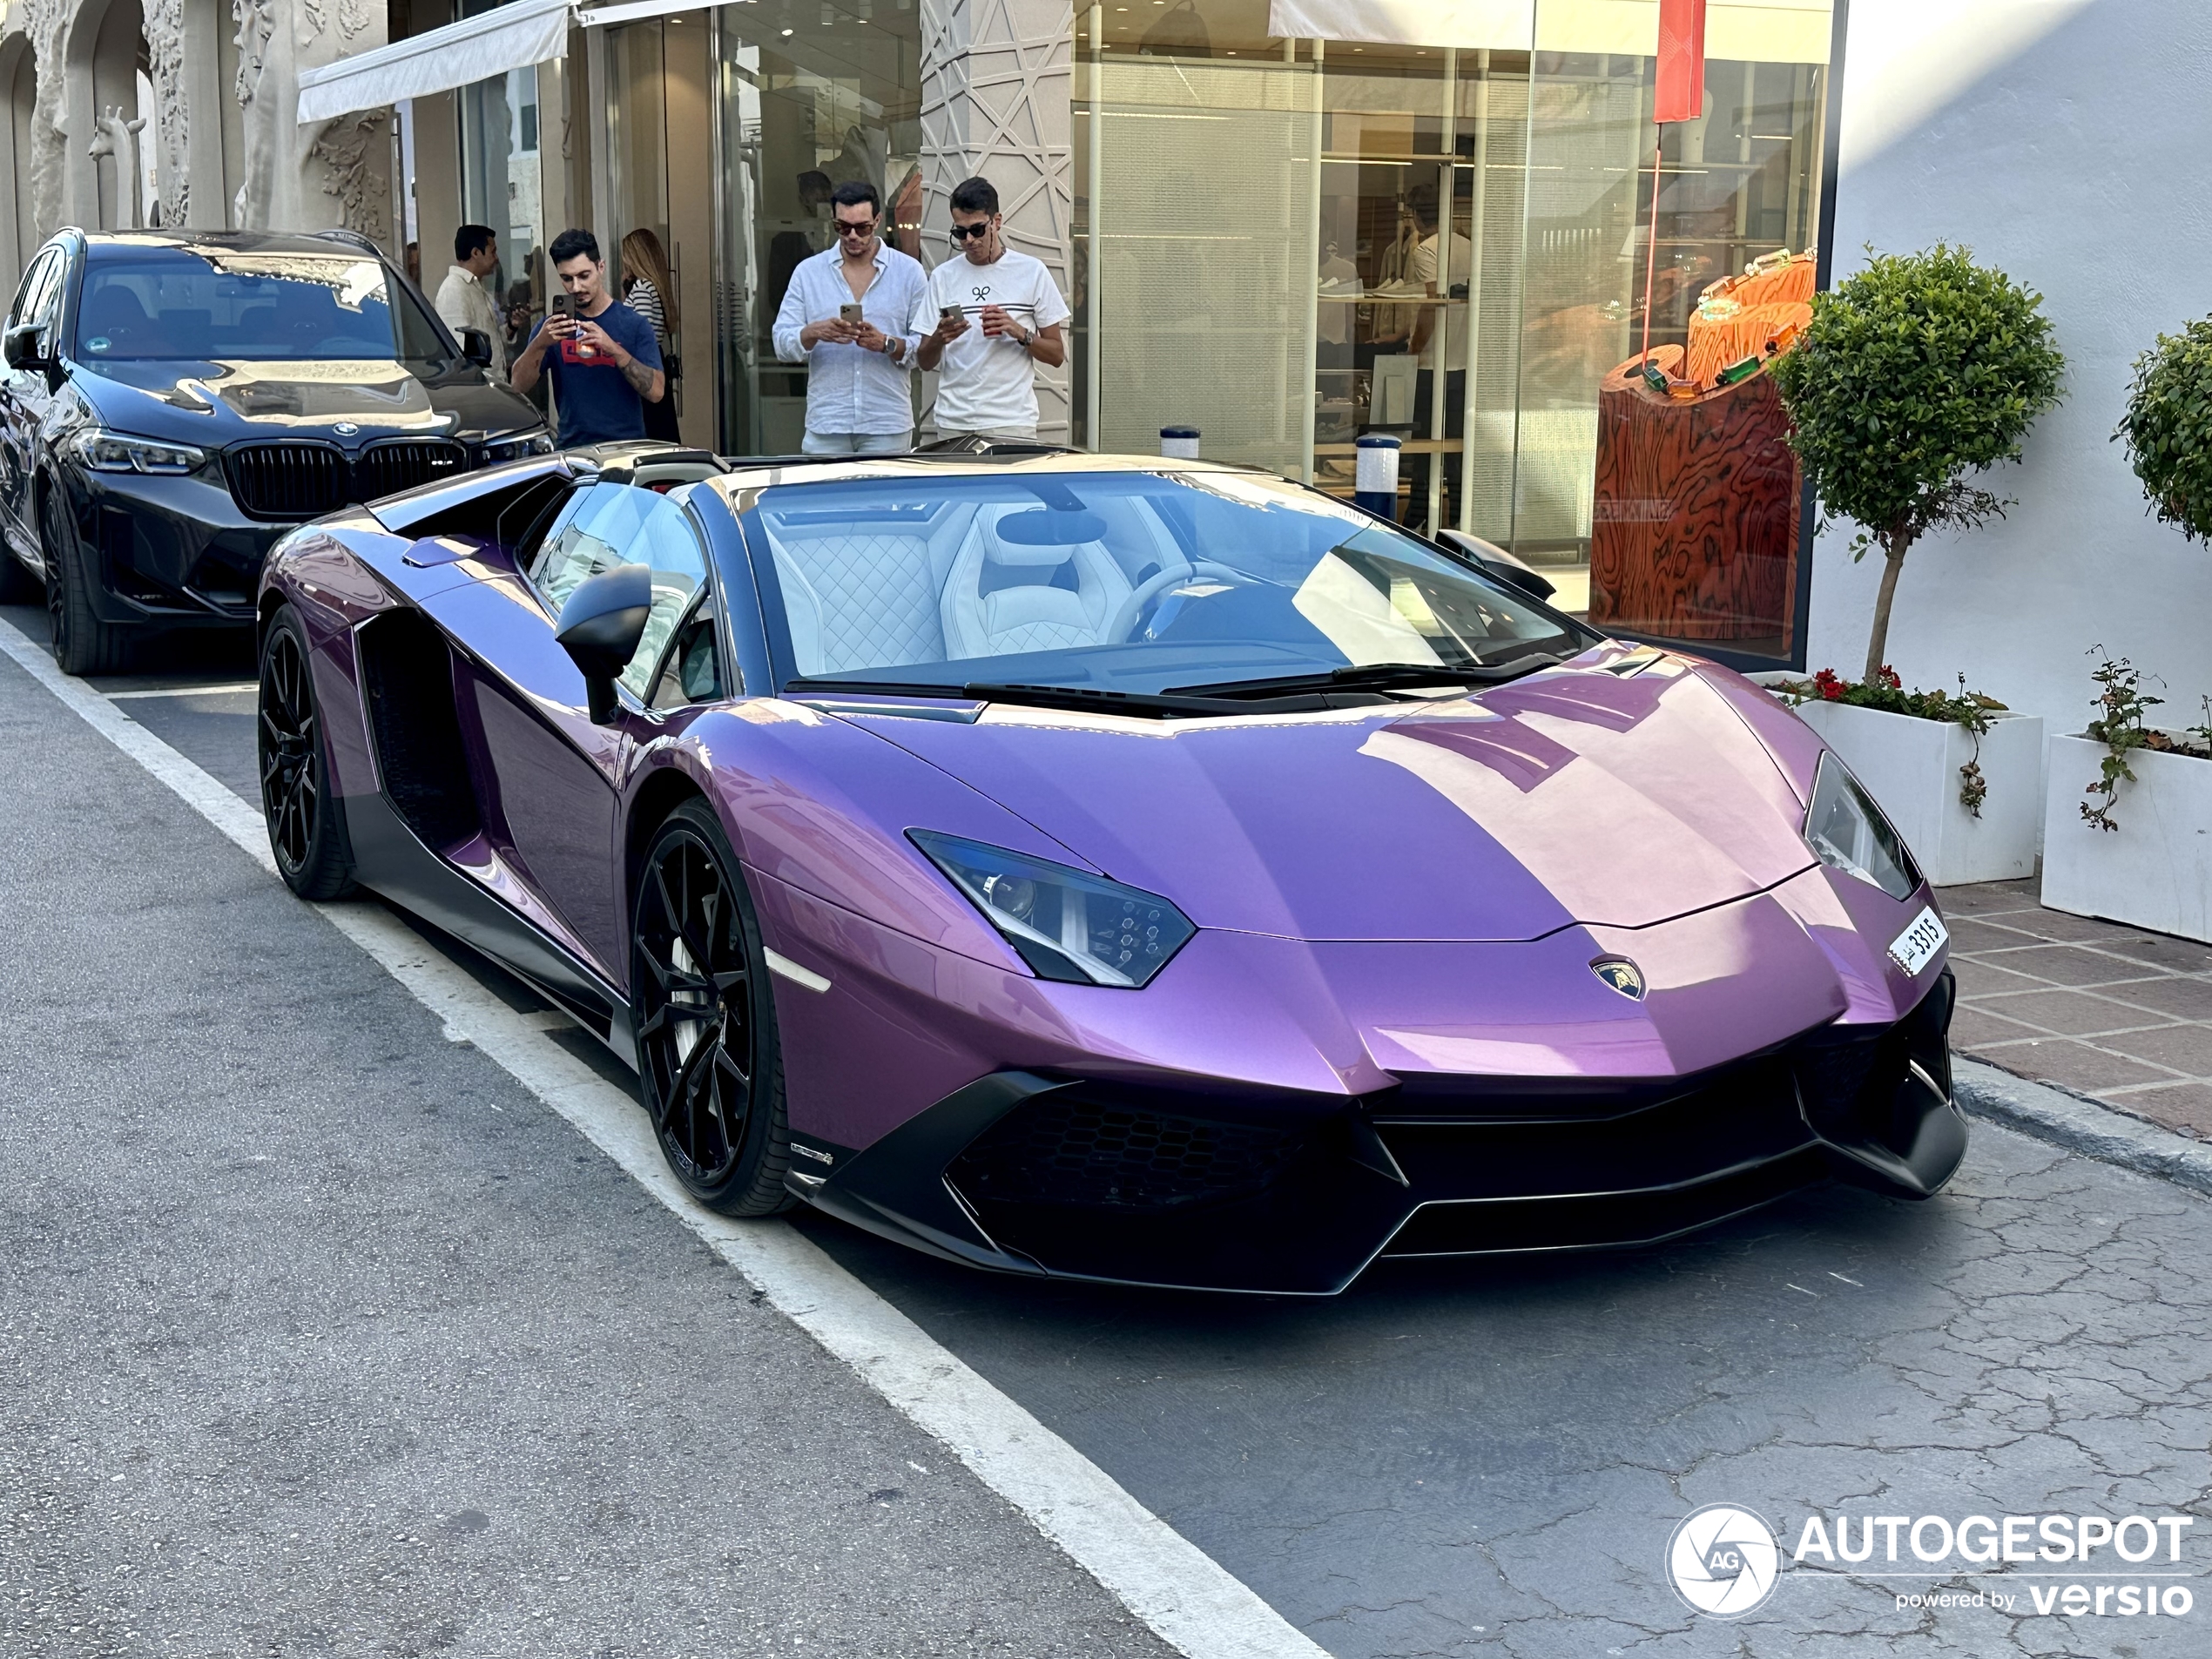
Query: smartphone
945, 314
849, 312
563, 304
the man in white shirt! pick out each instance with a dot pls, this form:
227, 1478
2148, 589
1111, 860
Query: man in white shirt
989, 319
462, 299
846, 315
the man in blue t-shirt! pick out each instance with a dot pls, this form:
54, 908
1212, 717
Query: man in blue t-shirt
602, 361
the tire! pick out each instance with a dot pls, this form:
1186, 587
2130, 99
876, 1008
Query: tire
82, 644
713, 1082
306, 828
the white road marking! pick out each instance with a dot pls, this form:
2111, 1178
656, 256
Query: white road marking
182, 691
779, 963
1186, 1597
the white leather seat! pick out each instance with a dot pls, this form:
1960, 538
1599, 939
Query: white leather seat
860, 601
1004, 596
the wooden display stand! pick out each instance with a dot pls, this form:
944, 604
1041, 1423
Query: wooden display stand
1694, 532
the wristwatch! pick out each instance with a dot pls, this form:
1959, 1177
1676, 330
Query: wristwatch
1023, 340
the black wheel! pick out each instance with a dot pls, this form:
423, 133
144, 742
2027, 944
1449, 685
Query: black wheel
708, 1065
82, 644
307, 830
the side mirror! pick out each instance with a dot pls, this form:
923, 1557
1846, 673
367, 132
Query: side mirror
476, 346
600, 627
1499, 563
21, 348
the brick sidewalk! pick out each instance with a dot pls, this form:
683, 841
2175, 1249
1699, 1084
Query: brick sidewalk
2107, 1011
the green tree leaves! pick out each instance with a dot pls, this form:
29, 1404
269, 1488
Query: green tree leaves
1915, 374
2168, 428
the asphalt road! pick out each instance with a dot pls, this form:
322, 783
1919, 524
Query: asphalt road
304, 1346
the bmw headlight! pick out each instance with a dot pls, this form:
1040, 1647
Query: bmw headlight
520, 446
105, 451
1066, 925
1847, 832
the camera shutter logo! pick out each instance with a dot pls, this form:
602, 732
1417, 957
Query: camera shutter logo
1723, 1560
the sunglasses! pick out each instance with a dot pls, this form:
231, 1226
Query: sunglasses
846, 227
961, 232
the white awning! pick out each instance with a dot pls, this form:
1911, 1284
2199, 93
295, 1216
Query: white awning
515, 35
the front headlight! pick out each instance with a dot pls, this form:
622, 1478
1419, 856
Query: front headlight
1847, 832
519, 448
1067, 925
105, 451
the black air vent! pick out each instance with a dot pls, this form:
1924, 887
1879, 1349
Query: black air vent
408, 670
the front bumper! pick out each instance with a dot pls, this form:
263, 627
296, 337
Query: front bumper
174, 552
1236, 1190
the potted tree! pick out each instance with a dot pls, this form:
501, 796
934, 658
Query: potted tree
1914, 377
2128, 829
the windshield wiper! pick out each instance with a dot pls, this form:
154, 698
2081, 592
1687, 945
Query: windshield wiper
1156, 705
1377, 676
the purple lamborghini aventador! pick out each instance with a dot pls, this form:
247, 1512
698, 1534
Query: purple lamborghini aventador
1109, 868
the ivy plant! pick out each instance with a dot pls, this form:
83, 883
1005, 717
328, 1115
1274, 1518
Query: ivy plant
1915, 376
2168, 428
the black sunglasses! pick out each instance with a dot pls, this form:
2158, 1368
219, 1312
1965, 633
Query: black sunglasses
846, 227
961, 232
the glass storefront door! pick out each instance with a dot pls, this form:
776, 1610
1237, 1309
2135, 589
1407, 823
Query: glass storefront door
1457, 236
807, 97
500, 185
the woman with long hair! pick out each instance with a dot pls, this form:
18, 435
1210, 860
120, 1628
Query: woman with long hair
647, 290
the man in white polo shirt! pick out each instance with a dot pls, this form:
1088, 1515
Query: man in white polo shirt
989, 319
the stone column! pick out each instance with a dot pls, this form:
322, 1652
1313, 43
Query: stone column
995, 102
317, 177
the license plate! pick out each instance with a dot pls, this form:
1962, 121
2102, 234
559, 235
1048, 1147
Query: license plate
1915, 947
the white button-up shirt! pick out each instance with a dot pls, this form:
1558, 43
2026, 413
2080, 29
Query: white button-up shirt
463, 302
850, 388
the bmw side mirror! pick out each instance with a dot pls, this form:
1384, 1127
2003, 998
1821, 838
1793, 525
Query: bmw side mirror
1499, 563
600, 627
476, 346
21, 347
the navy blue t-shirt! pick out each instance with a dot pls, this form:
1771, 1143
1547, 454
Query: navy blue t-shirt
596, 404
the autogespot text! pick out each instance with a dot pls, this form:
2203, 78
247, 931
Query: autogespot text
2131, 1562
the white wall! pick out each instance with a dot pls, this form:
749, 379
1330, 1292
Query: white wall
2068, 143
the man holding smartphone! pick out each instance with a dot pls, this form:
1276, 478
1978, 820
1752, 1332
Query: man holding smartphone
600, 356
990, 318
845, 316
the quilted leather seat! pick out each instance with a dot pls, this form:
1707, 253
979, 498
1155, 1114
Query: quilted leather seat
860, 601
1003, 596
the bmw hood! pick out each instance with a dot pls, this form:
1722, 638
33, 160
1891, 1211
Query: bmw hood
212, 404
1574, 795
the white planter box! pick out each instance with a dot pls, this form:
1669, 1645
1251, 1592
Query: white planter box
1911, 767
2155, 870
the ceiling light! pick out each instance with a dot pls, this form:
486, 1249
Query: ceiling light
786, 34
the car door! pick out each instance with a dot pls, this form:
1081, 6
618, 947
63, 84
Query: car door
548, 776
26, 395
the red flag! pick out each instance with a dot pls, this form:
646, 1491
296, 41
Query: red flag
1681, 61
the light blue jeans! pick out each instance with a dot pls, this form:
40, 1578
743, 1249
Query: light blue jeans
857, 443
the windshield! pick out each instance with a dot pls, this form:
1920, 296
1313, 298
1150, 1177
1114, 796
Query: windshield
1136, 583
214, 304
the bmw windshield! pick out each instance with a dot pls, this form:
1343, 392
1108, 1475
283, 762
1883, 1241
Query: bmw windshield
1160, 585
211, 304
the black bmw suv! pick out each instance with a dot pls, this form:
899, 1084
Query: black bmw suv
170, 401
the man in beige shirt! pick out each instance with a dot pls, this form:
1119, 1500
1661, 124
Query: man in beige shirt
463, 300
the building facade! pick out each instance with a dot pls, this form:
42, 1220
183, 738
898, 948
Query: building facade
1288, 223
